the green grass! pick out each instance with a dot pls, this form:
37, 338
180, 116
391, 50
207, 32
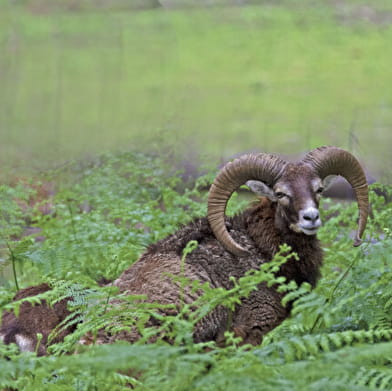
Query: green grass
285, 76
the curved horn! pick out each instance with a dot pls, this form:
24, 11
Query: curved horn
335, 161
262, 167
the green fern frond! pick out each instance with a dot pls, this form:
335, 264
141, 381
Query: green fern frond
302, 347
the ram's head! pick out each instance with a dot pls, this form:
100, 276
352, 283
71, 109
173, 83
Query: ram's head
295, 187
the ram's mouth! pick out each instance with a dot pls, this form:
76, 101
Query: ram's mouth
309, 231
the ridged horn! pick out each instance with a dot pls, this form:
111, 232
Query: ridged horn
262, 167
335, 161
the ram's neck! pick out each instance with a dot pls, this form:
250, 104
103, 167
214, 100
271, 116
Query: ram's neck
259, 222
269, 235
307, 267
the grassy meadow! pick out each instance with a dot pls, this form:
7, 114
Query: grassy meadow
209, 82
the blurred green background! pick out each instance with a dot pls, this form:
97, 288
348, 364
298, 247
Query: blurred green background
201, 79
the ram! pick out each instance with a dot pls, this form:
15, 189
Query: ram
288, 213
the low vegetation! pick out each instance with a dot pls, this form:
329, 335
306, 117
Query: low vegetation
82, 225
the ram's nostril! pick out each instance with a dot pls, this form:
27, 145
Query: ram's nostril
311, 215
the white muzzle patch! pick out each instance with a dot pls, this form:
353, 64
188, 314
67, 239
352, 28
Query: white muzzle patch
309, 220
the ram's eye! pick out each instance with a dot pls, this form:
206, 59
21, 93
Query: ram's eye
280, 195
320, 190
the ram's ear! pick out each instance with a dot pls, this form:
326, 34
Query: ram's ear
261, 189
327, 181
